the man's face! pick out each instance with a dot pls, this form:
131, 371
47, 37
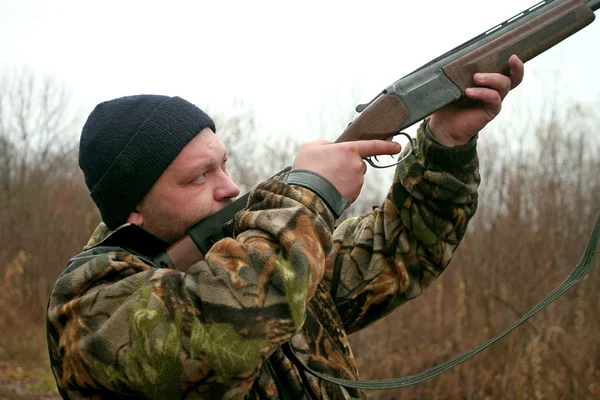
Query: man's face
194, 186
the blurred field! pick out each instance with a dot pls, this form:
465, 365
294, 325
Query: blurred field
26, 381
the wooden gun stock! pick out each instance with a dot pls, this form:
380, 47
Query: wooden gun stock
381, 120
182, 254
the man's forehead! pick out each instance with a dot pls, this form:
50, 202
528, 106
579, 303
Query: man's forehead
205, 146
209, 138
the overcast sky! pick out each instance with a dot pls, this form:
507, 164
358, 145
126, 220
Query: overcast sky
288, 60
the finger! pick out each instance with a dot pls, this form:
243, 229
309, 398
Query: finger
370, 148
517, 70
491, 98
498, 82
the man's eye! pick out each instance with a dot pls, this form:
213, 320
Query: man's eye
199, 178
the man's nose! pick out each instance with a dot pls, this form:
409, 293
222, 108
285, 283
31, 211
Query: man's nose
227, 190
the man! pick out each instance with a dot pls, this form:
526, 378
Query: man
121, 326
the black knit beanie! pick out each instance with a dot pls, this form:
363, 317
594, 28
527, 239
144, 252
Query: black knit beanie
127, 143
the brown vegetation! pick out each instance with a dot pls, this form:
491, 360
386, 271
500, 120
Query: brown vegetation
536, 210
538, 202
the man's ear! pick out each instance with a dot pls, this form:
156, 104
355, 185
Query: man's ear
135, 217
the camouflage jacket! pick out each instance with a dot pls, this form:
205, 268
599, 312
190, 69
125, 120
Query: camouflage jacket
119, 326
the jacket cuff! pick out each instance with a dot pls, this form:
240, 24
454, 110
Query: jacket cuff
435, 154
321, 187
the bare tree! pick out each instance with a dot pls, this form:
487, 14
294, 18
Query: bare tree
43, 202
35, 118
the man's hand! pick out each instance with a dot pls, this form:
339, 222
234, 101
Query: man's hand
342, 163
457, 123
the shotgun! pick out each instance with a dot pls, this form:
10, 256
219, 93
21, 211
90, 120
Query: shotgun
419, 94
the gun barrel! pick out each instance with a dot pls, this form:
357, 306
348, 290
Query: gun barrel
593, 4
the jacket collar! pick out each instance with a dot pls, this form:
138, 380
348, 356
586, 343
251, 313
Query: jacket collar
128, 236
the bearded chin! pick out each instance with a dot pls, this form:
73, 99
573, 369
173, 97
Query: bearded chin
166, 226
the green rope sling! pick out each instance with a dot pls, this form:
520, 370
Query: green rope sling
583, 267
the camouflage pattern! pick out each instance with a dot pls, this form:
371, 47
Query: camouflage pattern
118, 326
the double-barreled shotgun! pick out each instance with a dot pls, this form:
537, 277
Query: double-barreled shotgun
419, 94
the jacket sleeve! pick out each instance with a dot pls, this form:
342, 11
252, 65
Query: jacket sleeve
115, 324
391, 255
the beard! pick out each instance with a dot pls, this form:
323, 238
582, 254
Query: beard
164, 223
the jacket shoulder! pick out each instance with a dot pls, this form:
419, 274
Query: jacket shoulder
130, 238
